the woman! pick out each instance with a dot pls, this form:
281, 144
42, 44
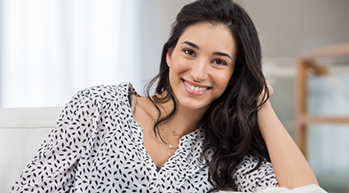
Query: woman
209, 126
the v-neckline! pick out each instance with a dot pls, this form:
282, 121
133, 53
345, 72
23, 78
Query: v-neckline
132, 99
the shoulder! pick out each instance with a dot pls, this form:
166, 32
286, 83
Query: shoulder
103, 93
101, 97
249, 179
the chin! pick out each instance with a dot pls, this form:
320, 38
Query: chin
194, 105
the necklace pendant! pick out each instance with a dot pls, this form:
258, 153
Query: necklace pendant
170, 147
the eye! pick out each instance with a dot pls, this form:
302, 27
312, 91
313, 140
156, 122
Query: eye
189, 52
220, 62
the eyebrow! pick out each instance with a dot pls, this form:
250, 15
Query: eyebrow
191, 44
222, 54
214, 53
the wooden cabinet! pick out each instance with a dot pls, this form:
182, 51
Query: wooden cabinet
308, 64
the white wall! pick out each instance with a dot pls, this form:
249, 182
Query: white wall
288, 26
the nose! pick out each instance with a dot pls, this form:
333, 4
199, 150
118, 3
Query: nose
199, 70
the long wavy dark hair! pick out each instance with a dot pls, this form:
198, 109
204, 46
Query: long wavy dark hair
230, 123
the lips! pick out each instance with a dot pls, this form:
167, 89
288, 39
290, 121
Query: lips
194, 88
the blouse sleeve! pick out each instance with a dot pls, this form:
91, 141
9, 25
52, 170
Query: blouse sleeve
53, 168
259, 179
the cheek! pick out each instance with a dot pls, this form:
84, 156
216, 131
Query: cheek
178, 66
222, 79
175, 71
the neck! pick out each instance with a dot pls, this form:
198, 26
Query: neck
183, 120
183, 124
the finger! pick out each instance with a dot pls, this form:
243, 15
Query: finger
270, 88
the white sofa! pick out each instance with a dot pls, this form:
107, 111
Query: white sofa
22, 130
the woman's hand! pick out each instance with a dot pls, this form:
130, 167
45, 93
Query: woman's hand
262, 96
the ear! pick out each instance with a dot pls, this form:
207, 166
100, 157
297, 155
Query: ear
169, 56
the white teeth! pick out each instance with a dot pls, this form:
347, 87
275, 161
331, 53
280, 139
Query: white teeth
194, 88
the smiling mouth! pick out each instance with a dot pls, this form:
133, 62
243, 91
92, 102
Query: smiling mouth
195, 88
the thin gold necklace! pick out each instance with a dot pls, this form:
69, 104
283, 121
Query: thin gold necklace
168, 144
174, 133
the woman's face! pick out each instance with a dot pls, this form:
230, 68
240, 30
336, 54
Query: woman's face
201, 64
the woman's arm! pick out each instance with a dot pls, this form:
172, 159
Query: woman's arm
53, 168
291, 168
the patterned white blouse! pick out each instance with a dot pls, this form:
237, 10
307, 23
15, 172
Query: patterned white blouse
97, 146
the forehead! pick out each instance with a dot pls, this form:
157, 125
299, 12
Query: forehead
210, 35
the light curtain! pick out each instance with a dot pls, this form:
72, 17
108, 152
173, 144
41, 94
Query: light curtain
51, 49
